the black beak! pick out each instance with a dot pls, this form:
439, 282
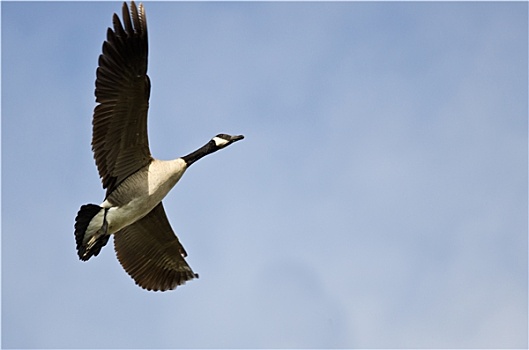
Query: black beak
236, 138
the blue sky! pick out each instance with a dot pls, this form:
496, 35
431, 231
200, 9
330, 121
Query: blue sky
379, 199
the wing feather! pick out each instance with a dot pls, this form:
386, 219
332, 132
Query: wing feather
151, 253
119, 134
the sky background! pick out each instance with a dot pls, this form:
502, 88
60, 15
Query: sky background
379, 199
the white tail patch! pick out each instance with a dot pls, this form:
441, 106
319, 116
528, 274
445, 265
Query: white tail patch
90, 231
95, 224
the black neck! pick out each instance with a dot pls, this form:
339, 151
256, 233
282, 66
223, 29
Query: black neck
208, 148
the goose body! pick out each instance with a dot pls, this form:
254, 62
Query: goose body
140, 193
136, 183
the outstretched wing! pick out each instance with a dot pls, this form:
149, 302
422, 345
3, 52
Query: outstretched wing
151, 254
119, 138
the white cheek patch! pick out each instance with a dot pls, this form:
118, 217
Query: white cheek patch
220, 142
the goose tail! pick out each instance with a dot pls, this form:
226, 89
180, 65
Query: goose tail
91, 230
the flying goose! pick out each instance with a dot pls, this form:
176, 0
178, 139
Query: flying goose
135, 182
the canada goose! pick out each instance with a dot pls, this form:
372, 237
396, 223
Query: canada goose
135, 182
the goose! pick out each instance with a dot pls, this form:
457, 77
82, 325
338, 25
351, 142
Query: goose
135, 182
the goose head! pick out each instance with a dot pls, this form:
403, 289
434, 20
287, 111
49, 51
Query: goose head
224, 140
216, 143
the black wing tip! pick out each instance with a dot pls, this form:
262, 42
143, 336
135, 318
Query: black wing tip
134, 20
155, 279
167, 286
